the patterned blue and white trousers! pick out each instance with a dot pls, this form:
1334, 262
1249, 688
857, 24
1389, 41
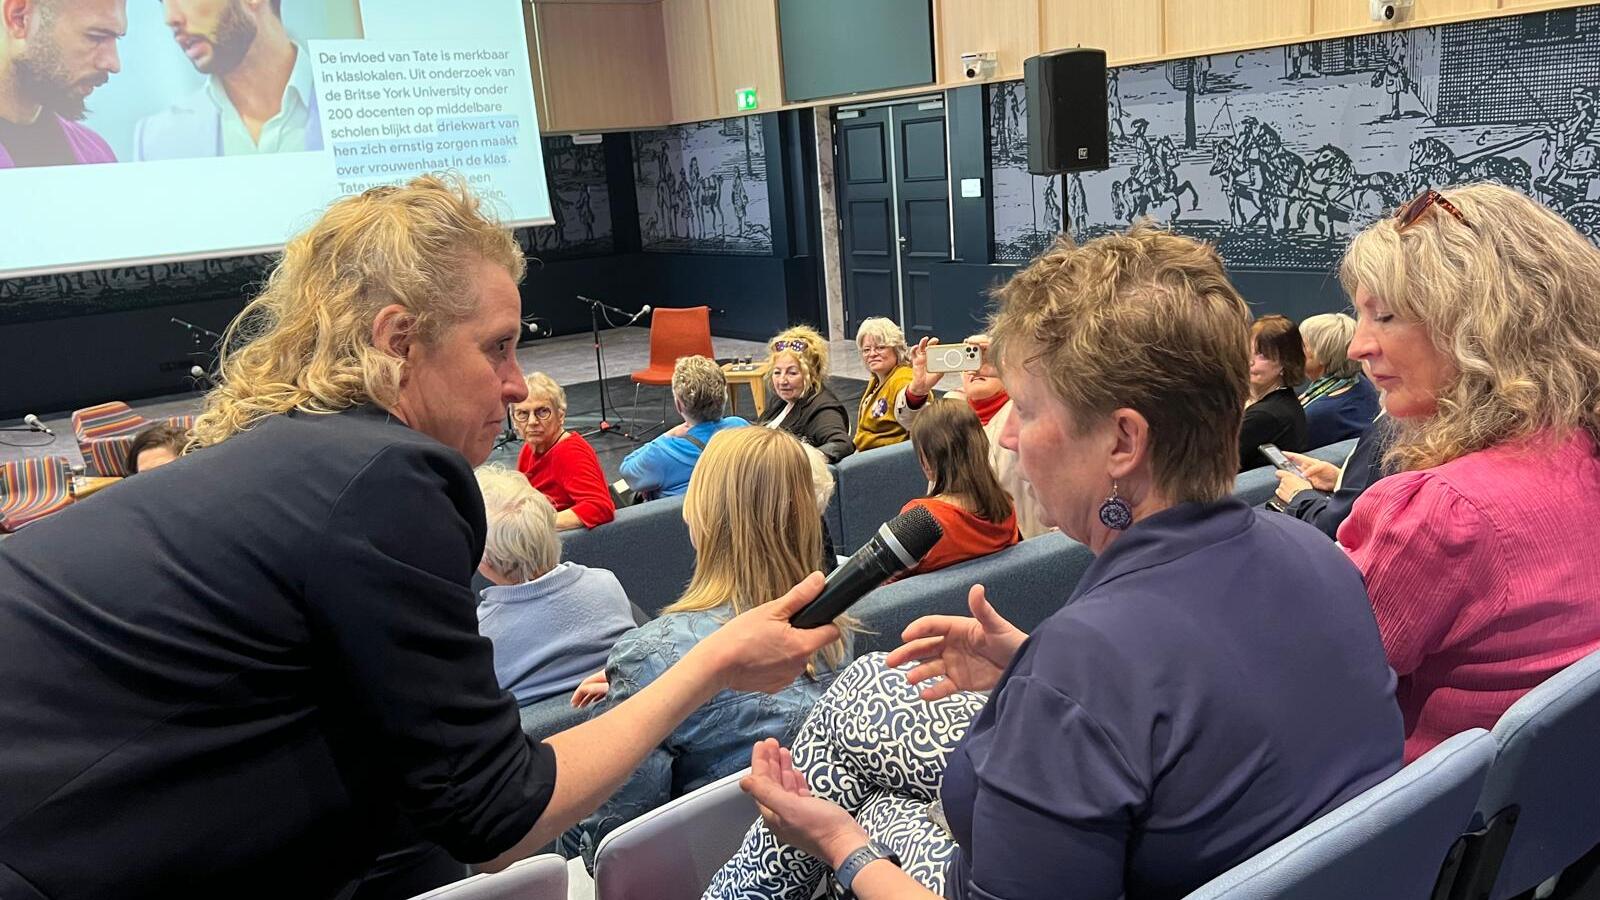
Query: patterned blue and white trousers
876, 748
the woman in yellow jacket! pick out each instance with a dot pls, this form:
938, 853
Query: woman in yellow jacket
883, 350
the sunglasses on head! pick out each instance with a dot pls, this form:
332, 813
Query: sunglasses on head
1408, 215
796, 345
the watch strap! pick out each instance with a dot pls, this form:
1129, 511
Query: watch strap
858, 859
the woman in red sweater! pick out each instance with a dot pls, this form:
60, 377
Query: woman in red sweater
1479, 320
559, 463
976, 513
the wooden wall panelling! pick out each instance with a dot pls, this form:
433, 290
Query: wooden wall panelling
1010, 28
541, 109
1194, 27
691, 66
1346, 16
1125, 29
744, 34
604, 65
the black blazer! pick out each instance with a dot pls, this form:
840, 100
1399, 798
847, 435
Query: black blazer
229, 676
1278, 418
820, 420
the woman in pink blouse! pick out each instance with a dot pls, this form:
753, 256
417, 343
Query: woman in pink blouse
1479, 320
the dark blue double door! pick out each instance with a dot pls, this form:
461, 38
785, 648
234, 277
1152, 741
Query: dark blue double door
894, 210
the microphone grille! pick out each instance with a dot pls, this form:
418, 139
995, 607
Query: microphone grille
917, 530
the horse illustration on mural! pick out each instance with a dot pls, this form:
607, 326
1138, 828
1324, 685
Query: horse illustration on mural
705, 176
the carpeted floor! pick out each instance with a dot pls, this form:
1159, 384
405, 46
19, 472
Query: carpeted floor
583, 413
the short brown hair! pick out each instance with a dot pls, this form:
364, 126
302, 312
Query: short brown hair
160, 435
1145, 320
1277, 339
951, 442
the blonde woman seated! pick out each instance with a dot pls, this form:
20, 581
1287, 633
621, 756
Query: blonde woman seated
963, 495
551, 622
986, 394
559, 463
888, 361
756, 530
807, 409
1340, 402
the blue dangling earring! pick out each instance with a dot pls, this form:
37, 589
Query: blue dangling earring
1115, 513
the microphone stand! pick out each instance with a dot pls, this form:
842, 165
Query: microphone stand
606, 426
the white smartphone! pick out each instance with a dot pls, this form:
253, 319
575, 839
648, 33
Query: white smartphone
955, 358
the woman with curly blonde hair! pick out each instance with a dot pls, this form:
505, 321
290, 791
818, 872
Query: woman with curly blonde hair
1479, 320
294, 606
807, 409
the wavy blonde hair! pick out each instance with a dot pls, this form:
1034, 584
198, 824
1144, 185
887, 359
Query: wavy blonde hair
1513, 302
1145, 320
305, 342
755, 525
813, 360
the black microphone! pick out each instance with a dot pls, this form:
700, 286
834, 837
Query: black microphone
899, 544
32, 421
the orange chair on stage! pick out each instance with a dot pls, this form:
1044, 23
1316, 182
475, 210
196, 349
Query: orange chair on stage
31, 489
674, 333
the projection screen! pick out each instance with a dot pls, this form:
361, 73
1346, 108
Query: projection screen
146, 148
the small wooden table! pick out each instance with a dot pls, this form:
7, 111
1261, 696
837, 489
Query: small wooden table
84, 485
755, 376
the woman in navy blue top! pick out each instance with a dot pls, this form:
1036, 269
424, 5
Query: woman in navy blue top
1180, 713
1340, 402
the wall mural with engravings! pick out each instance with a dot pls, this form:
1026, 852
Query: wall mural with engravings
582, 209
1278, 156
580, 203
702, 188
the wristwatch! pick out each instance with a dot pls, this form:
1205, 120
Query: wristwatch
858, 858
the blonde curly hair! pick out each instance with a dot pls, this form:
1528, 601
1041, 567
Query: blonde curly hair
305, 342
1513, 301
812, 357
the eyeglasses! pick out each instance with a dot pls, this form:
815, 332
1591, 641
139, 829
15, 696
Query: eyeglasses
1409, 214
541, 413
869, 351
796, 345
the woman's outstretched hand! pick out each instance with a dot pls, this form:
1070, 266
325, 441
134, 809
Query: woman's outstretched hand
969, 654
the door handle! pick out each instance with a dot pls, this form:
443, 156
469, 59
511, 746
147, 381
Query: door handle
903, 242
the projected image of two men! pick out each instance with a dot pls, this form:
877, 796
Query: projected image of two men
100, 81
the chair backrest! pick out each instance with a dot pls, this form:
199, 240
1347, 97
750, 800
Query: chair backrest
1026, 582
33, 488
1390, 841
646, 546
1547, 743
104, 419
676, 333
871, 487
536, 878
1256, 486
671, 852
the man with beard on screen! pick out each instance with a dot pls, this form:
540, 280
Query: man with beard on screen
53, 54
259, 96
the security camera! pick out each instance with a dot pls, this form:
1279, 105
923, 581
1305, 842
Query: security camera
979, 65
1390, 11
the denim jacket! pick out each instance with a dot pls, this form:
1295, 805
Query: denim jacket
713, 742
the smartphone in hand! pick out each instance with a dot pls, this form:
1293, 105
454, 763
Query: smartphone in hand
955, 358
1279, 461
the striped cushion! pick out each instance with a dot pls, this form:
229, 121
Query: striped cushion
104, 420
31, 489
108, 456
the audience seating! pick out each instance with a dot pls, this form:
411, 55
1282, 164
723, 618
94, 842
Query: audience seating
1540, 810
869, 489
1256, 486
674, 333
1388, 843
106, 431
33, 488
536, 878
646, 546
671, 852
1025, 582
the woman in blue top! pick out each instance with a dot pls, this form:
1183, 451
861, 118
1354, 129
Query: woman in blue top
661, 468
754, 523
1214, 682
1340, 402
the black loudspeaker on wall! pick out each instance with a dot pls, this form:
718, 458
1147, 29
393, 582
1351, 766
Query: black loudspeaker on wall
1068, 128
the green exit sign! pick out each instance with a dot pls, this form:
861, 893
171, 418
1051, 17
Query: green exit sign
746, 99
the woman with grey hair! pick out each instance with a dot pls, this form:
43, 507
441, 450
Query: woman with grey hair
661, 468
551, 622
1340, 402
559, 463
888, 361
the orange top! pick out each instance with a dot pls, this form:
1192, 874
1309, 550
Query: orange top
965, 535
